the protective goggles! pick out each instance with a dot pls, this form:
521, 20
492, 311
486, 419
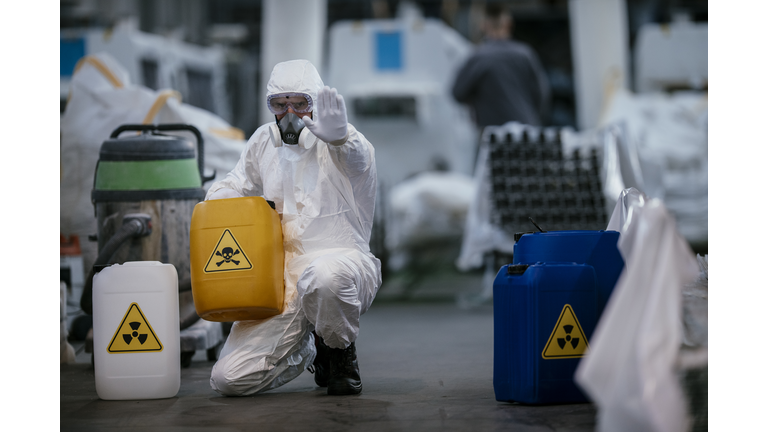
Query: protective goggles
279, 103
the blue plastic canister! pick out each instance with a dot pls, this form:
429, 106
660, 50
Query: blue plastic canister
596, 248
544, 315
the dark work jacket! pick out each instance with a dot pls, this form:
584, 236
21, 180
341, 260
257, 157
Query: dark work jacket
503, 81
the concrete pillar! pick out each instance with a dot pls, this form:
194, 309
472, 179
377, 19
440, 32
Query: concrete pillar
291, 29
600, 49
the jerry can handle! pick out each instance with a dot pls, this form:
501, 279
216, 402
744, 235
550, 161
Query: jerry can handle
172, 127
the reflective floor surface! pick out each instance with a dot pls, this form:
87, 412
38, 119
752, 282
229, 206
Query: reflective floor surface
425, 366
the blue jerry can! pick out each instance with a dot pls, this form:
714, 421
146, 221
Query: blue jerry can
596, 248
544, 315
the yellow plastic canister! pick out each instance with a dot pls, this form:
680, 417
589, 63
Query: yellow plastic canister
236, 259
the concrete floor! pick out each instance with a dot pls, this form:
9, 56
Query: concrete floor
425, 365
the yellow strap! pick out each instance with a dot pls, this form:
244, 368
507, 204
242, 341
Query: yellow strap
159, 102
101, 67
231, 133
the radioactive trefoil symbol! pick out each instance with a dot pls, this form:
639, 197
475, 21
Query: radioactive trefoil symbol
574, 341
128, 338
134, 334
568, 339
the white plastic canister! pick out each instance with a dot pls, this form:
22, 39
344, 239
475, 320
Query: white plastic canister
136, 331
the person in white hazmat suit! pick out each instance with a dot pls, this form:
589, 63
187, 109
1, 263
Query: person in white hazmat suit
321, 174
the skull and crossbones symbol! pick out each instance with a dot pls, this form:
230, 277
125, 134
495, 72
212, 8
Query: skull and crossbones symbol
227, 254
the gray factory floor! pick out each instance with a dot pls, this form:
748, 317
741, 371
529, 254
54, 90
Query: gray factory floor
426, 364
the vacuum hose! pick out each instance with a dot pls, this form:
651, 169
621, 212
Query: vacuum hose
135, 225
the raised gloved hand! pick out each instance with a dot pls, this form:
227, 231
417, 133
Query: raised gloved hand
331, 122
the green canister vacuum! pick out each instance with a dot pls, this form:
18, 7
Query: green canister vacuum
145, 188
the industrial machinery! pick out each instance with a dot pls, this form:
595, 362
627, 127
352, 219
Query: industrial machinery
145, 189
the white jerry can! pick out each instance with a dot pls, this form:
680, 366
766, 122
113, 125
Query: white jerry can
136, 340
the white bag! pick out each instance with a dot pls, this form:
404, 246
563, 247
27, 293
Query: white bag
103, 98
223, 143
480, 234
668, 133
629, 370
428, 207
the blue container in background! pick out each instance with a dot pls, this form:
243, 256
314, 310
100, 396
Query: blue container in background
70, 51
389, 53
544, 315
596, 248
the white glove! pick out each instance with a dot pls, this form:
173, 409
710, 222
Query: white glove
331, 122
224, 194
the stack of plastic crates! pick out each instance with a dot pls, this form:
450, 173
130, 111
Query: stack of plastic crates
532, 177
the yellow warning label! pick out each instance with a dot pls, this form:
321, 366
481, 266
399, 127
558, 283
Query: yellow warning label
227, 255
567, 339
134, 334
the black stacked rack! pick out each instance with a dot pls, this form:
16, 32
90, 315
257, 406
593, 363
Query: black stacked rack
531, 177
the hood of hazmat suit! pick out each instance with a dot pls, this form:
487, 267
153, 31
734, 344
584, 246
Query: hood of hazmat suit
325, 196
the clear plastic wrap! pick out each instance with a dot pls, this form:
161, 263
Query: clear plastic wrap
630, 370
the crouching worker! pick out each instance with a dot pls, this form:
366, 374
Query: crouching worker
321, 174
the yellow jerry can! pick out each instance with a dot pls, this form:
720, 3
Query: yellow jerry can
236, 259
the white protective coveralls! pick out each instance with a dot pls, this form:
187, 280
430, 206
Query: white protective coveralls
325, 195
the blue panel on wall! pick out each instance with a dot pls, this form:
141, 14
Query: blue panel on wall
70, 51
388, 51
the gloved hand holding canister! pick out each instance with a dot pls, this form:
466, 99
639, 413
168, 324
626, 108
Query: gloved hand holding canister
331, 123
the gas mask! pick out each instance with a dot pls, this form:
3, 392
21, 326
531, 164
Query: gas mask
290, 127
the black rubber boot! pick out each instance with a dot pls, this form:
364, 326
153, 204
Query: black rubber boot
322, 363
345, 375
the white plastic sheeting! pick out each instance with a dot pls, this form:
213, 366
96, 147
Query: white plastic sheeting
325, 196
430, 206
97, 105
165, 61
670, 136
630, 368
480, 235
